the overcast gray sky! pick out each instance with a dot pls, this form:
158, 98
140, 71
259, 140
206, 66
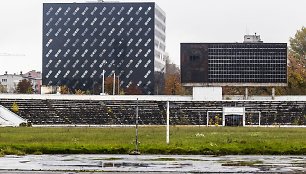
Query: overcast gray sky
187, 21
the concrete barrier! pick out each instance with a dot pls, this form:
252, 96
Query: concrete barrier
8, 118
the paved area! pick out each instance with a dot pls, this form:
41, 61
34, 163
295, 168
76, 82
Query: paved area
165, 164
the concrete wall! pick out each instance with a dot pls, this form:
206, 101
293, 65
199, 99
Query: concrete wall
207, 93
141, 97
8, 118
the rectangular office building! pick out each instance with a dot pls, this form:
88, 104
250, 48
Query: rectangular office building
234, 64
83, 40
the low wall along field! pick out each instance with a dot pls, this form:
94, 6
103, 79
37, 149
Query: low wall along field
152, 140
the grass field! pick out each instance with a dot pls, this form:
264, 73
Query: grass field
183, 140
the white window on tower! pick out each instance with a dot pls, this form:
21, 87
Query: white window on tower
75, 63
58, 10
120, 11
67, 11
76, 10
49, 11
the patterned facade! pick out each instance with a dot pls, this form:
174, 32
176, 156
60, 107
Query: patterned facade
84, 41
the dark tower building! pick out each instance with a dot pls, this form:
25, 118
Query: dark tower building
83, 40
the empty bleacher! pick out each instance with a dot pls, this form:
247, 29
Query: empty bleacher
151, 112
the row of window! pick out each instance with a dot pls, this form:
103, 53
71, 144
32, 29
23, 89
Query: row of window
246, 66
159, 25
256, 80
246, 61
160, 15
243, 49
159, 35
246, 54
95, 53
79, 63
159, 55
247, 46
103, 22
102, 43
93, 10
271, 80
245, 75
247, 70
160, 45
103, 32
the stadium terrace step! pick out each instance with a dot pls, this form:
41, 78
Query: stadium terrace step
109, 112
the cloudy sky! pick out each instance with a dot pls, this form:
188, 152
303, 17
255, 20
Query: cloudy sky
187, 21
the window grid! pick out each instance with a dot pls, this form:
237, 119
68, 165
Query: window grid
247, 63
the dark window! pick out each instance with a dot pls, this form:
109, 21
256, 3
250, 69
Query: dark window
194, 58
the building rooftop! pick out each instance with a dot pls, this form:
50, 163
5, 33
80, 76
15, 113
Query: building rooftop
252, 39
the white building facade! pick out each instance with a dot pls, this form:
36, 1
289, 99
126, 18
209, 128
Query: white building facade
10, 81
160, 39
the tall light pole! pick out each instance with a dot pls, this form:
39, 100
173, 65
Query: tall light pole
103, 72
114, 83
118, 85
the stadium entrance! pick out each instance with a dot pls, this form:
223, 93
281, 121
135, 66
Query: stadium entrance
233, 116
233, 120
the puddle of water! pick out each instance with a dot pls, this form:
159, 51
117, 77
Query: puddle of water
68, 160
24, 161
112, 159
124, 164
155, 163
241, 163
161, 159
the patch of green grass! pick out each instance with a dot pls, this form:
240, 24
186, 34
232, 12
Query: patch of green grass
11, 151
152, 140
